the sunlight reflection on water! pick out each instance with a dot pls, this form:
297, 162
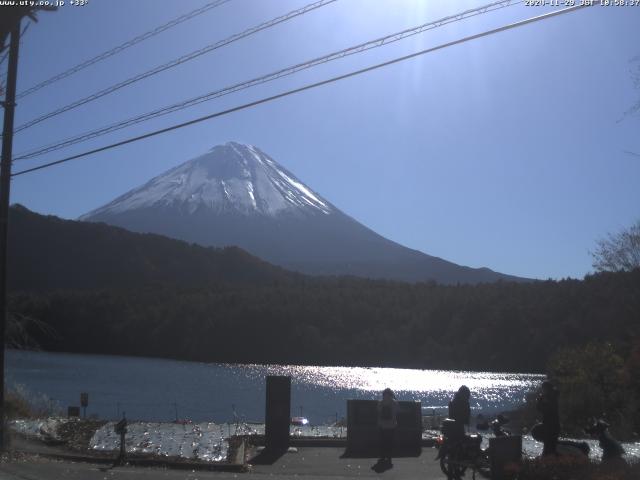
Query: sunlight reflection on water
376, 379
438, 385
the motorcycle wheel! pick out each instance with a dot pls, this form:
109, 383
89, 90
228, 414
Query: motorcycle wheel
483, 465
451, 470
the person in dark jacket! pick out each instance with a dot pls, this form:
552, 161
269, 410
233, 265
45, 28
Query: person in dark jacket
459, 408
387, 423
547, 405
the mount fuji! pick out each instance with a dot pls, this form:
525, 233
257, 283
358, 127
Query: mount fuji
235, 194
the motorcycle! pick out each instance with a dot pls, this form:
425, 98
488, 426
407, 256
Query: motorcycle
612, 450
459, 451
566, 448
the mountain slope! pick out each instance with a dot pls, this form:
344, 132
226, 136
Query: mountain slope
48, 253
237, 195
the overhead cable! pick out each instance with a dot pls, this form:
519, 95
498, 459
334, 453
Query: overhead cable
378, 42
304, 88
123, 46
174, 63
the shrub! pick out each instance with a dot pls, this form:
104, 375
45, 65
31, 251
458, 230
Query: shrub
593, 383
21, 403
573, 468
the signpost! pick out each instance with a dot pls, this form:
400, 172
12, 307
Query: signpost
121, 429
84, 401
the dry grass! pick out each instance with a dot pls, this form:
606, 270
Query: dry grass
77, 434
22, 403
17, 406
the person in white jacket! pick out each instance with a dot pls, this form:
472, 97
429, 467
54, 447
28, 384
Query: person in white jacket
387, 423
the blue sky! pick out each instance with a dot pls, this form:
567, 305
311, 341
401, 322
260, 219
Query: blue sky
508, 152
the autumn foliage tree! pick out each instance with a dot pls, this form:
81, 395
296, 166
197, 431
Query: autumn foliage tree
598, 380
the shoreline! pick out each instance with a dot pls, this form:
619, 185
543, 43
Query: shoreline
275, 364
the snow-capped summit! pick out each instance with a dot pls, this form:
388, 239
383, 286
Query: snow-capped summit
236, 194
229, 178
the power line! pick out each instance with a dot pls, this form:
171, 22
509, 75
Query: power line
176, 62
379, 42
129, 43
306, 87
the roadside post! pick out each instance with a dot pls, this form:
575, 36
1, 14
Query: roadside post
84, 402
121, 429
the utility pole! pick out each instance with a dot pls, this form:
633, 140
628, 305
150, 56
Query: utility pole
9, 25
5, 185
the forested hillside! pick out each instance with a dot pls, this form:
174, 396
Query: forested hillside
48, 253
344, 321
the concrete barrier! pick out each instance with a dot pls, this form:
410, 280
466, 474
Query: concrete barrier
277, 412
363, 436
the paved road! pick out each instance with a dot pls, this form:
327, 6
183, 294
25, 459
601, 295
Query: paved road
307, 463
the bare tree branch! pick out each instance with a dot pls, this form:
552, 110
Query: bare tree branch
618, 252
635, 78
20, 328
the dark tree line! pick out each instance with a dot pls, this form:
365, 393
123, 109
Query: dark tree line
344, 321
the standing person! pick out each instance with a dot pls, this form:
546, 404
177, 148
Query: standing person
387, 423
459, 408
547, 405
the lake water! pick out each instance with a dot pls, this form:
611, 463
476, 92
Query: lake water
153, 390
160, 390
